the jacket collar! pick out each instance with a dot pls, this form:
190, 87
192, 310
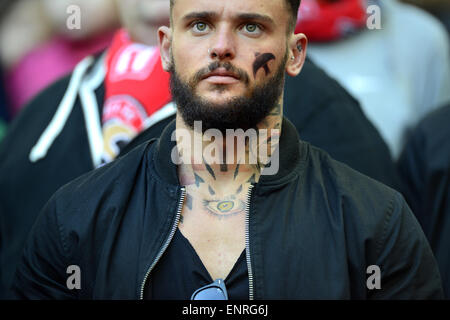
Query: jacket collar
292, 155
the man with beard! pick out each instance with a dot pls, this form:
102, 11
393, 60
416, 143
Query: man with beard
144, 227
62, 133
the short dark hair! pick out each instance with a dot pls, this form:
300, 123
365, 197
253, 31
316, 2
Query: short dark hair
293, 5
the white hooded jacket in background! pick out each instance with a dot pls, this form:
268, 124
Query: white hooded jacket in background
399, 73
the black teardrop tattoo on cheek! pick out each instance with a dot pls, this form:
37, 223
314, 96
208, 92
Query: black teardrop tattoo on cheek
261, 61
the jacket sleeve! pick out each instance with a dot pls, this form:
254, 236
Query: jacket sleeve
408, 267
41, 273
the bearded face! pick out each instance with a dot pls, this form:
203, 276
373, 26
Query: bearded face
242, 111
228, 60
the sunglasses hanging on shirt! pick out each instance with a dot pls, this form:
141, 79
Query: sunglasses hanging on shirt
213, 291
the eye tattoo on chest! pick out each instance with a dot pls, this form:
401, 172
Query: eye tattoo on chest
224, 209
262, 61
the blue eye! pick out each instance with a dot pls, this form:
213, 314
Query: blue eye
251, 27
200, 26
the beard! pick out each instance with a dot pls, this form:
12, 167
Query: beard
241, 112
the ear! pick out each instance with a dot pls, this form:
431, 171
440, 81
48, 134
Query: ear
165, 39
297, 54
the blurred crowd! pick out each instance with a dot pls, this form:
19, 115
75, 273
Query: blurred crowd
396, 86
399, 75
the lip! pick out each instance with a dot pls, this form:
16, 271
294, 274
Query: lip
221, 76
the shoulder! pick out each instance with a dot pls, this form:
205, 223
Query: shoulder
374, 217
341, 176
357, 198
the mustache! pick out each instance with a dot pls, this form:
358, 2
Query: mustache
198, 76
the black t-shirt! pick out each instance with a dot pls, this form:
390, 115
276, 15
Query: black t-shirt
180, 272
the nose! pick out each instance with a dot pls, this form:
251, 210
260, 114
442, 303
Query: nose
223, 46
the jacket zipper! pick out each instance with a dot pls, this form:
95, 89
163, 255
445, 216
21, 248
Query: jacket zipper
174, 229
247, 242
166, 244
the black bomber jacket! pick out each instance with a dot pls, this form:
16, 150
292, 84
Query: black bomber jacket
312, 231
57, 138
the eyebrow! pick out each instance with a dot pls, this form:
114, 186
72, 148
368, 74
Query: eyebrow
200, 15
210, 15
255, 16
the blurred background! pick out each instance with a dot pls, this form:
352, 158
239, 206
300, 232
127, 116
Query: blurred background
398, 73
37, 47
392, 56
